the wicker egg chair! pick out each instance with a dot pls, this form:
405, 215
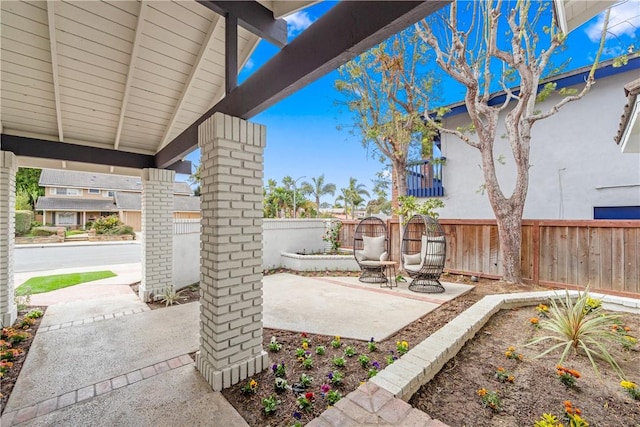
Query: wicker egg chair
424, 250
370, 246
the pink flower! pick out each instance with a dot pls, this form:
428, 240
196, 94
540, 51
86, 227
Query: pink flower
325, 388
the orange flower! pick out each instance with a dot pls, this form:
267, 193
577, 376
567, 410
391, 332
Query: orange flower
500, 369
534, 320
627, 329
482, 392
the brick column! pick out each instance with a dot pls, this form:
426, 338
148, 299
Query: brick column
8, 168
231, 250
157, 232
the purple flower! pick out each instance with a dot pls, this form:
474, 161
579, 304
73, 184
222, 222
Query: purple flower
274, 367
325, 388
307, 353
330, 375
372, 340
376, 365
297, 415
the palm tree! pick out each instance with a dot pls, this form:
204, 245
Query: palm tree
318, 189
353, 195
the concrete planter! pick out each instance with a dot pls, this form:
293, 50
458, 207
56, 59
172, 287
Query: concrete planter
109, 237
318, 262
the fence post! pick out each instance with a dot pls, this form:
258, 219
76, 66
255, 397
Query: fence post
536, 252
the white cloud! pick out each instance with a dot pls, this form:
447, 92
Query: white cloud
298, 22
249, 64
624, 20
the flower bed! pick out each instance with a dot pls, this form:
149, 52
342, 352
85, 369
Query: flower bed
322, 262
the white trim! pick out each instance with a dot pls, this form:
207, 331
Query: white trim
632, 125
51, 17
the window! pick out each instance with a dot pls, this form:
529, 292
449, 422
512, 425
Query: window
60, 191
65, 218
108, 193
94, 191
616, 212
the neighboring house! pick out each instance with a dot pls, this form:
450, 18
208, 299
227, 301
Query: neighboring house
576, 171
628, 136
72, 198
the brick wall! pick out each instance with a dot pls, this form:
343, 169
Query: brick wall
157, 231
231, 250
8, 168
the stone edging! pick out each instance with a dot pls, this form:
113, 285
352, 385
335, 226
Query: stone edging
416, 368
107, 316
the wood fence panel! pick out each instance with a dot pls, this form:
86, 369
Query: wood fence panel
583, 253
594, 258
632, 258
561, 254
526, 253
617, 259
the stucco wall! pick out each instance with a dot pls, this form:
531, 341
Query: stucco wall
186, 252
290, 235
575, 164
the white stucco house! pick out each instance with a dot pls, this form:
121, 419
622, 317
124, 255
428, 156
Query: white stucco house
577, 169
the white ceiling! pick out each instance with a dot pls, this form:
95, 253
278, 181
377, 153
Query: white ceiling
124, 75
573, 13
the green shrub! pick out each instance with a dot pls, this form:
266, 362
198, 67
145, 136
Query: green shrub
42, 232
122, 229
23, 222
105, 224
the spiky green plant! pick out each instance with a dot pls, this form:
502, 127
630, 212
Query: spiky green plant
575, 326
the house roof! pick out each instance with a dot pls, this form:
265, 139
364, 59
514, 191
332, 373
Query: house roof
65, 178
133, 202
568, 79
119, 86
630, 120
570, 14
47, 203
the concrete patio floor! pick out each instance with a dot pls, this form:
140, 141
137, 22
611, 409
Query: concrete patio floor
100, 360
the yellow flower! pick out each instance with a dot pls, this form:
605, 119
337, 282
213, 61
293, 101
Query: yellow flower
405, 344
253, 384
627, 384
337, 337
301, 359
305, 345
482, 392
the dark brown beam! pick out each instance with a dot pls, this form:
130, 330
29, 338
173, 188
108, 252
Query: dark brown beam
40, 148
230, 53
253, 17
345, 31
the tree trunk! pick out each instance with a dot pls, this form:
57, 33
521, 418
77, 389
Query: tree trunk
398, 182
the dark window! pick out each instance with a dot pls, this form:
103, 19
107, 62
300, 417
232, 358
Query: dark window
616, 212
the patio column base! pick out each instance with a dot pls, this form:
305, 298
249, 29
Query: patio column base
8, 169
220, 379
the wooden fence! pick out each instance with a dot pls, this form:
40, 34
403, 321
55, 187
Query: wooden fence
558, 253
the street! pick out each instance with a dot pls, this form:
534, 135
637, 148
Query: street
38, 258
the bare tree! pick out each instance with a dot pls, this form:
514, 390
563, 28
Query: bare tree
477, 53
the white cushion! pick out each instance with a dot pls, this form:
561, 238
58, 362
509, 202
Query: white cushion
373, 248
414, 259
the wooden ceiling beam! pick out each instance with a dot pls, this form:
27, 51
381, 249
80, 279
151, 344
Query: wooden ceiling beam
345, 31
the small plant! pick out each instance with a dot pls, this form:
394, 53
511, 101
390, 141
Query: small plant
274, 345
490, 399
270, 404
338, 362
548, 420
402, 347
27, 322
574, 415
335, 377
504, 376
631, 388
373, 370
371, 345
34, 314
279, 370
14, 336
363, 359
350, 351
5, 365
333, 396
336, 343
305, 380
305, 340
305, 402
512, 354
332, 235
580, 324
627, 341
391, 357
535, 322
307, 363
321, 350
251, 387
299, 352
297, 416
22, 299
567, 376
543, 310
280, 384
170, 296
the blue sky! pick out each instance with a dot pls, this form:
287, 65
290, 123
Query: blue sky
302, 134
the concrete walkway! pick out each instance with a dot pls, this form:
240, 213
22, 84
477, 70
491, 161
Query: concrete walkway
105, 361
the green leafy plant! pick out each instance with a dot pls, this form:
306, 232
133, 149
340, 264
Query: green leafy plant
391, 358
336, 343
280, 370
490, 399
274, 345
363, 359
511, 353
548, 420
409, 206
373, 370
170, 296
321, 350
335, 377
333, 396
631, 389
270, 404
305, 401
504, 376
280, 384
350, 351
338, 361
332, 235
299, 352
402, 347
13, 335
34, 314
543, 310
251, 387
573, 415
307, 363
305, 380
574, 327
371, 345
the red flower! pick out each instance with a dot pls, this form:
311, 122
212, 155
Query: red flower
304, 335
309, 395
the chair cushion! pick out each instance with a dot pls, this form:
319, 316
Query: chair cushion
373, 248
412, 259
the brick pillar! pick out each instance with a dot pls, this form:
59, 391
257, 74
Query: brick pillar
231, 250
157, 232
8, 168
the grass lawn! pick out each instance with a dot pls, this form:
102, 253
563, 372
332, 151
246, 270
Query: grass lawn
39, 285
